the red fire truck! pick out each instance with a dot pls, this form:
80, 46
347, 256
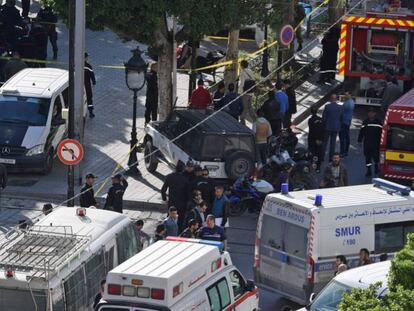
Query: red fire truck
378, 41
397, 139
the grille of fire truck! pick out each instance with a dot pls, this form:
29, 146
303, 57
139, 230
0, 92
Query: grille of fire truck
41, 250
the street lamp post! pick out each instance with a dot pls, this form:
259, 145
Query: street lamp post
135, 70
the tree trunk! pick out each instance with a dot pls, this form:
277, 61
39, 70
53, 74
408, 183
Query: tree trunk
230, 72
164, 74
336, 10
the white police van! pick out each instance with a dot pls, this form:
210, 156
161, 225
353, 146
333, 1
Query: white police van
58, 263
362, 277
34, 106
297, 238
179, 274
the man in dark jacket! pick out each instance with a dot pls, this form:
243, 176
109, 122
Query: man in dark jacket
370, 133
114, 199
332, 120
89, 80
335, 174
178, 189
189, 171
48, 17
39, 34
233, 102
330, 48
218, 96
25, 8
202, 184
87, 197
26, 47
316, 136
290, 92
13, 66
151, 101
271, 109
10, 17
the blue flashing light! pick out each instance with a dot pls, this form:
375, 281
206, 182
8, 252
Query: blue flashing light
219, 245
284, 188
391, 186
318, 200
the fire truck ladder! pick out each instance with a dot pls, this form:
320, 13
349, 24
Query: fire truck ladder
41, 250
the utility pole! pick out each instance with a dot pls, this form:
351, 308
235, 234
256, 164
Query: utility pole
71, 116
174, 60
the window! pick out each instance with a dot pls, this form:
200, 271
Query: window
109, 259
19, 299
401, 137
392, 237
95, 273
330, 297
218, 295
127, 243
65, 95
218, 146
272, 232
75, 291
57, 109
24, 110
295, 240
237, 283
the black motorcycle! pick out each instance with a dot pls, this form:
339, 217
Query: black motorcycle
304, 172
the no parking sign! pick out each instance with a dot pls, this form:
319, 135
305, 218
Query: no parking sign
70, 152
287, 34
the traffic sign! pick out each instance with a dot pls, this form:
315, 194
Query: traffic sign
287, 34
70, 152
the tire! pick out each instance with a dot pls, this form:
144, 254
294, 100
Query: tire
150, 158
237, 209
239, 164
48, 164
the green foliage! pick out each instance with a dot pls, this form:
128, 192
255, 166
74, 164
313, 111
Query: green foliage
400, 282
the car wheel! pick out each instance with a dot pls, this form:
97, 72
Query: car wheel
150, 158
48, 163
239, 164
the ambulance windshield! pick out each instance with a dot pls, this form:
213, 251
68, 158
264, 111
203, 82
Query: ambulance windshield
401, 137
330, 297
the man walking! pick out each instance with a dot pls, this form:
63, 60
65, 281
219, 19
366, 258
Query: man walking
316, 136
48, 17
246, 84
25, 8
87, 197
292, 104
200, 98
90, 80
262, 131
347, 113
178, 189
170, 222
332, 120
335, 174
114, 199
232, 102
151, 100
40, 38
282, 98
271, 109
370, 133
13, 66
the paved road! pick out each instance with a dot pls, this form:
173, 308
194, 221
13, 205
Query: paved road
242, 230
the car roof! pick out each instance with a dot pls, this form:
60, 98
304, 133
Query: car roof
38, 82
364, 276
220, 122
406, 101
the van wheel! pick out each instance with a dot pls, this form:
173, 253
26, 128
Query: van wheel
48, 164
239, 164
150, 158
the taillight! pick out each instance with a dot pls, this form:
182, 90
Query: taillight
310, 269
257, 253
382, 157
114, 289
157, 293
215, 265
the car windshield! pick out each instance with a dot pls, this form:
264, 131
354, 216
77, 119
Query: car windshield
24, 110
401, 137
330, 297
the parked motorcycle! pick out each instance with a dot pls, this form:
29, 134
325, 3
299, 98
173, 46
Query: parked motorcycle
304, 172
247, 193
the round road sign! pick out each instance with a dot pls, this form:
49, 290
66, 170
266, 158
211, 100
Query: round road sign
287, 34
70, 152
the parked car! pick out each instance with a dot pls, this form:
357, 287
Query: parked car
218, 142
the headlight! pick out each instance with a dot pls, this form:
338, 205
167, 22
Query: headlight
36, 150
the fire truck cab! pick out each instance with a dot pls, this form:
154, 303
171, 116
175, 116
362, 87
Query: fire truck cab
376, 40
397, 139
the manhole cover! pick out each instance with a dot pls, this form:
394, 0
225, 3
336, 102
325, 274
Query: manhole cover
21, 182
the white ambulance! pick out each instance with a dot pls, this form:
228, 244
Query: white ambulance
298, 238
179, 274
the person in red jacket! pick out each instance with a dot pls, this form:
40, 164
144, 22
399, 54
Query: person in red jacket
200, 98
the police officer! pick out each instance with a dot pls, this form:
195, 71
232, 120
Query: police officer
114, 199
315, 137
87, 197
89, 80
40, 37
25, 8
189, 170
48, 18
370, 133
151, 101
10, 17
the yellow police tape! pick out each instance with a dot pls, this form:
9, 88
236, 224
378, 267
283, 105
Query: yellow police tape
226, 38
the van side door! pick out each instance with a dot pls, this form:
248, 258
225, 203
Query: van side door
57, 124
219, 295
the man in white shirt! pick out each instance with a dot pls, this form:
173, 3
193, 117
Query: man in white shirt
262, 131
246, 83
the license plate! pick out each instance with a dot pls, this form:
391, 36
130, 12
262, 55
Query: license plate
7, 161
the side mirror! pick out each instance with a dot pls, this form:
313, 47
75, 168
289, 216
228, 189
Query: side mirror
312, 297
250, 286
65, 113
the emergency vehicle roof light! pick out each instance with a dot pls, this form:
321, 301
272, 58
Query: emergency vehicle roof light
217, 244
391, 186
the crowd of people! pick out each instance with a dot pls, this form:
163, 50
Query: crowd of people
341, 263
